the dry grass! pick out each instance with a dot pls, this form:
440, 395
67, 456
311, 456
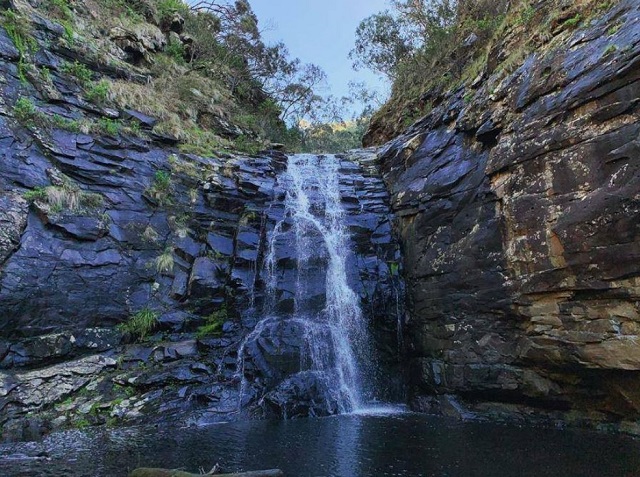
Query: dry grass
62, 198
177, 99
150, 235
164, 263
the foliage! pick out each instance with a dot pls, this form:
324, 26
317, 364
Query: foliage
59, 8
162, 180
110, 127
227, 34
161, 188
380, 44
79, 71
39, 193
98, 92
134, 11
526, 15
176, 51
19, 31
167, 8
385, 40
81, 422
333, 138
213, 324
25, 111
140, 324
574, 21
424, 48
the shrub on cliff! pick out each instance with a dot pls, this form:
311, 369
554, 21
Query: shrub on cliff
424, 33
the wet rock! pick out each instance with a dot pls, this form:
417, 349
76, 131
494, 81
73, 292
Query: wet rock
48, 348
80, 228
72, 278
302, 395
206, 280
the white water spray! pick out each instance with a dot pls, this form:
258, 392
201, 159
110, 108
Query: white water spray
336, 341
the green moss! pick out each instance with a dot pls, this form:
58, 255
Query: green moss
60, 122
574, 21
109, 127
614, 29
19, 31
24, 110
604, 6
124, 9
213, 324
45, 73
610, 49
60, 8
526, 16
39, 193
247, 145
79, 71
81, 423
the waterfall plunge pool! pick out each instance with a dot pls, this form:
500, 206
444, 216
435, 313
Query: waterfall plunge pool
376, 444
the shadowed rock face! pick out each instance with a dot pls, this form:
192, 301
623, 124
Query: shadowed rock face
520, 218
72, 270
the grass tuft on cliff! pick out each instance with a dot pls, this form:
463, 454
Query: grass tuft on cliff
141, 324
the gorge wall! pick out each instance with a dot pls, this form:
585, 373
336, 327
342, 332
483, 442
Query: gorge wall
518, 200
129, 269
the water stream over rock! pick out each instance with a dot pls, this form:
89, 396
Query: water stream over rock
320, 316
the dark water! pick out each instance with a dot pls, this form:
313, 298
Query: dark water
344, 446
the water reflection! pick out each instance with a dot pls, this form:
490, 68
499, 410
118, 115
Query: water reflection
342, 446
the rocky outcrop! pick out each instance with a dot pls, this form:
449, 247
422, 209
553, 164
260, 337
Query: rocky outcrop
103, 222
519, 211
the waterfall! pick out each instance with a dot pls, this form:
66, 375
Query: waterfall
307, 264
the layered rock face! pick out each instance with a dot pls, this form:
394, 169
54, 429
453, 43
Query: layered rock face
97, 228
519, 211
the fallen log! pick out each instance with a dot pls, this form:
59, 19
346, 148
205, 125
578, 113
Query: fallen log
150, 472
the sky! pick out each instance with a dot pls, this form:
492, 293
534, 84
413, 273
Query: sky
320, 32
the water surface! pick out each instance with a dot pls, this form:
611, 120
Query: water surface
359, 445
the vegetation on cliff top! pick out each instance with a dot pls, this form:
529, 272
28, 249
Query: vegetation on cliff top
429, 47
200, 69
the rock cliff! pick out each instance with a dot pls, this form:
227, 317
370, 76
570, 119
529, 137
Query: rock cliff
518, 200
127, 267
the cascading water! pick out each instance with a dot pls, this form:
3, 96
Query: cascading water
324, 312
